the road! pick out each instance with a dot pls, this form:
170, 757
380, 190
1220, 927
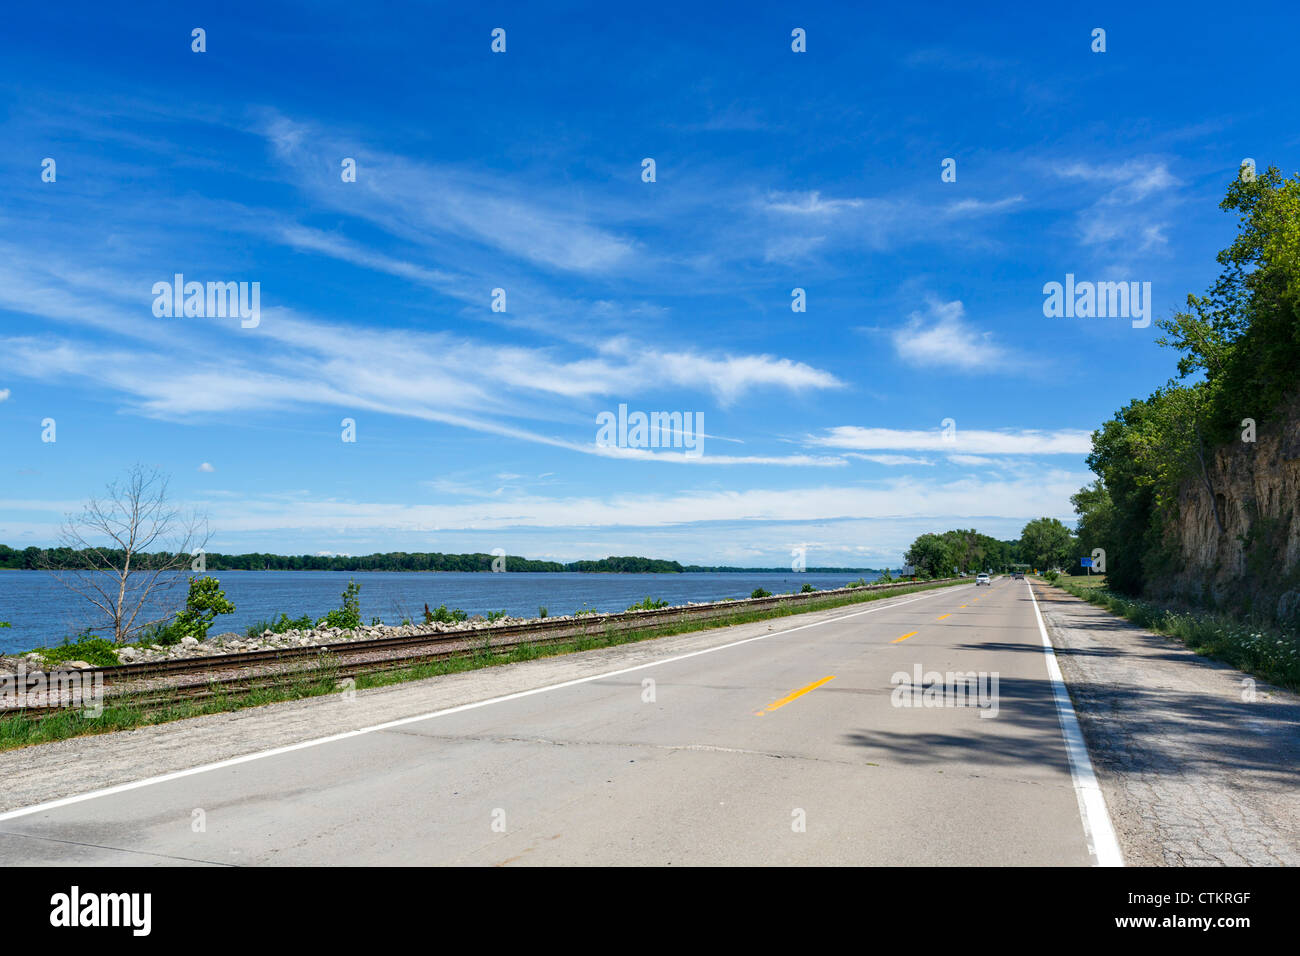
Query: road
785, 746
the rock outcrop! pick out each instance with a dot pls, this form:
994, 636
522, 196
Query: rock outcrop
1252, 566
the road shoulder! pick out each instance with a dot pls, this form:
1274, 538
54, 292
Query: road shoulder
1199, 763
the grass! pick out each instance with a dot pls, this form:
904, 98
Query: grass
284, 623
130, 713
649, 604
93, 650
1257, 649
1083, 580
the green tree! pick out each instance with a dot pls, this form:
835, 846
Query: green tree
1096, 518
1244, 334
1046, 543
932, 555
347, 617
205, 601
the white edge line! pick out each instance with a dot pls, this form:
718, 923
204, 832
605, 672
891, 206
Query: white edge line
303, 745
1097, 830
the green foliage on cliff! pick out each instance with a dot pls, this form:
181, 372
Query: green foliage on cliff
1239, 351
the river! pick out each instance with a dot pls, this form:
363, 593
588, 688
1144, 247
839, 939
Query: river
41, 611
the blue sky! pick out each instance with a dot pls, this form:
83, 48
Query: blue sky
522, 171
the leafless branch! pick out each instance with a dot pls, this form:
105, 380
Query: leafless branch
136, 545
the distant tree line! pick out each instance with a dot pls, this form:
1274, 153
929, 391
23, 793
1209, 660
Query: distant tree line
44, 558
718, 569
1044, 544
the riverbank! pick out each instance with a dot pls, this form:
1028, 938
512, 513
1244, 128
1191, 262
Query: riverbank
43, 612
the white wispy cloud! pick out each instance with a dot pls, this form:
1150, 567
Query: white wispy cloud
810, 223
180, 369
964, 441
808, 204
1137, 199
981, 207
891, 460
1130, 181
941, 337
422, 200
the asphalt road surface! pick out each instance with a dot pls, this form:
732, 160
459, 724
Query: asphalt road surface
790, 747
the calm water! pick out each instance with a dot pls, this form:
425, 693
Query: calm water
43, 612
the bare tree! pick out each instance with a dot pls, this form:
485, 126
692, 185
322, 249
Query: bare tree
134, 545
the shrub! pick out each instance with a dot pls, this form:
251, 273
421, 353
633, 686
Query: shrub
163, 633
496, 615
542, 611
807, 589
93, 650
347, 617
759, 593
205, 601
285, 623
443, 616
649, 604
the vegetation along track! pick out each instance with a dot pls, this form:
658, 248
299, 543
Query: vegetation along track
201, 677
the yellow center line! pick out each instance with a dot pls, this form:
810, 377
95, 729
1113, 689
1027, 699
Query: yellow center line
942, 616
963, 605
793, 695
904, 637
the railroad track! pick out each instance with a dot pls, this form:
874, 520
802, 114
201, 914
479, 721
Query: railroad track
350, 659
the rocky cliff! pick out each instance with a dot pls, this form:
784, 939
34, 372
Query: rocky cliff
1253, 565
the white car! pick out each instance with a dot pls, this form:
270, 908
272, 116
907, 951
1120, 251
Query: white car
982, 579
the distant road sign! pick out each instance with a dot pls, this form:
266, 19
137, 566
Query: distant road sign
1085, 562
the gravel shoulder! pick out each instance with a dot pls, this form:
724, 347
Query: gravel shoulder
1199, 762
